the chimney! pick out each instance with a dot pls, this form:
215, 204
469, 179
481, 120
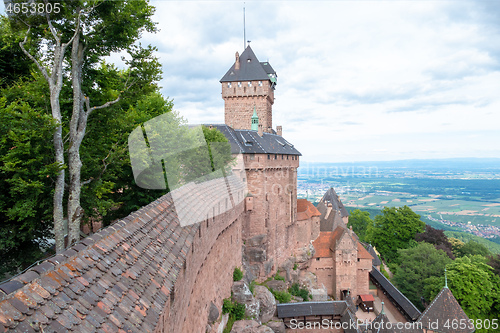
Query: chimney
237, 62
279, 130
260, 131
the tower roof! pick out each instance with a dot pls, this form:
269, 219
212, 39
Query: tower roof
445, 308
250, 69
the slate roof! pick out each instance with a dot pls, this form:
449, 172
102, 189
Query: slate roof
407, 307
376, 260
445, 308
250, 69
332, 197
250, 142
306, 210
117, 279
350, 323
304, 309
380, 324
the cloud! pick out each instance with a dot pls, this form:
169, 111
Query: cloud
350, 74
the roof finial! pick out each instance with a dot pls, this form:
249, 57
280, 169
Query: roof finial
445, 279
382, 312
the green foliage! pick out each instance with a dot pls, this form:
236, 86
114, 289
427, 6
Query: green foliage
359, 220
417, 265
295, 266
236, 312
465, 237
252, 285
281, 296
473, 284
295, 290
278, 277
26, 171
394, 230
237, 274
472, 248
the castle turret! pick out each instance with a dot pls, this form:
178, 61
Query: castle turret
248, 83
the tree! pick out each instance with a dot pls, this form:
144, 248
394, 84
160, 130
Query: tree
26, 171
393, 230
436, 237
417, 265
92, 30
473, 284
359, 220
473, 248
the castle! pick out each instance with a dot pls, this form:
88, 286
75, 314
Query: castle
147, 273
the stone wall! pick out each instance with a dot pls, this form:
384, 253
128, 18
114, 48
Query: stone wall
324, 271
272, 183
240, 100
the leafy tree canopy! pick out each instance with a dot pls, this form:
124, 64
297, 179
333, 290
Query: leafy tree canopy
418, 264
436, 237
394, 229
359, 220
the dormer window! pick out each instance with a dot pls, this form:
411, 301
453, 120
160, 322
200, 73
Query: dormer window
249, 83
239, 84
248, 60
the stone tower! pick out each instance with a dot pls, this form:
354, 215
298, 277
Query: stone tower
248, 84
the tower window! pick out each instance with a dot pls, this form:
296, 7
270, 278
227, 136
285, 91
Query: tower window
260, 83
239, 84
268, 156
244, 89
229, 84
249, 83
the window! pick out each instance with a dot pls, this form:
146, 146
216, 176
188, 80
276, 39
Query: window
244, 89
260, 83
317, 259
229, 84
239, 84
268, 156
275, 156
249, 83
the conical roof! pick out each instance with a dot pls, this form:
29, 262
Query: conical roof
250, 69
442, 312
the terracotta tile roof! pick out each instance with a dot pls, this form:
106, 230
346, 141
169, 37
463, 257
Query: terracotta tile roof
306, 210
322, 245
362, 253
118, 279
367, 298
445, 308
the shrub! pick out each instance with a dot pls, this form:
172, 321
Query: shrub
252, 286
237, 274
295, 266
282, 296
279, 277
295, 290
227, 306
236, 312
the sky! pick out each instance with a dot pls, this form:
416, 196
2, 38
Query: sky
357, 80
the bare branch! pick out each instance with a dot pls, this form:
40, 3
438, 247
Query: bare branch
105, 105
51, 27
40, 67
88, 181
77, 30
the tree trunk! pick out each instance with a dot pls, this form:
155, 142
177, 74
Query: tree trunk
77, 130
55, 85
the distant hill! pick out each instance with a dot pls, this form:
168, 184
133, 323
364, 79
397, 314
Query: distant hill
465, 237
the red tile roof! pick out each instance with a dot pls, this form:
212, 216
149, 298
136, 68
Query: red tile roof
362, 253
322, 245
367, 298
306, 210
115, 279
